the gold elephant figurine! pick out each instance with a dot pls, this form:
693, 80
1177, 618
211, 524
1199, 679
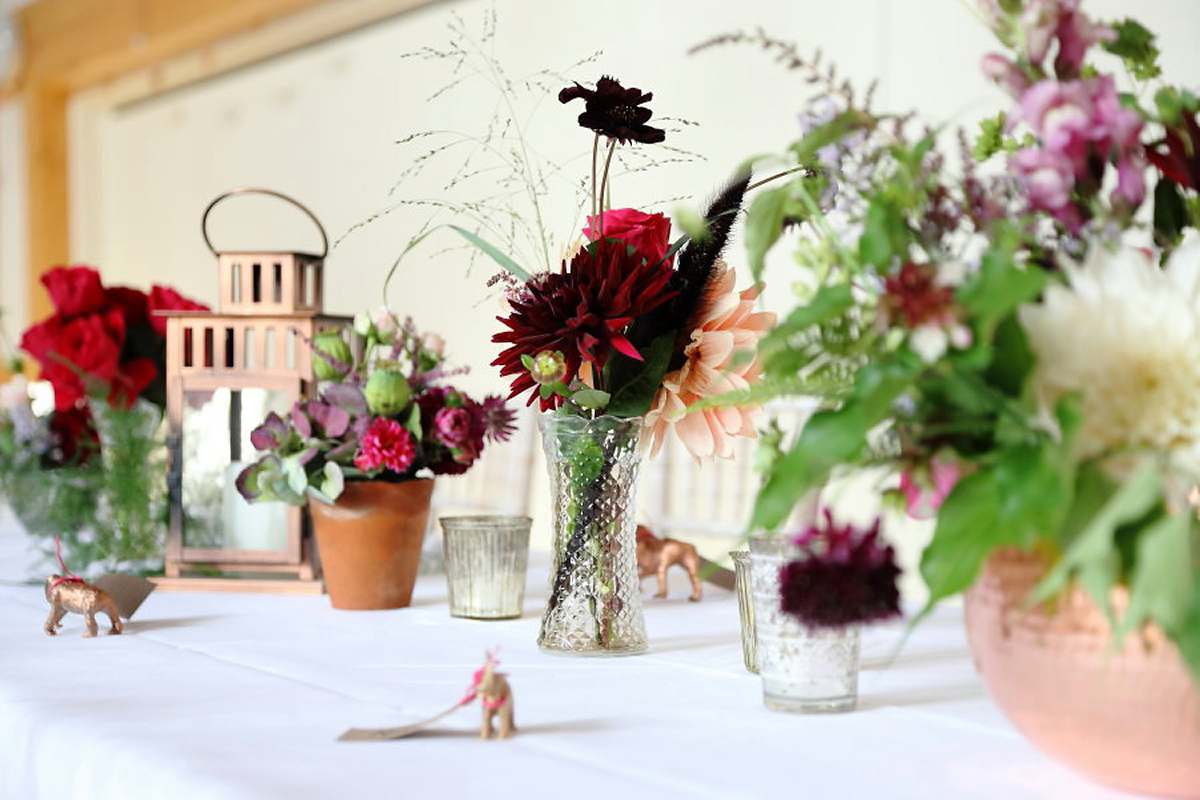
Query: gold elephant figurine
72, 594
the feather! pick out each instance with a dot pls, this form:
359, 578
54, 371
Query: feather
694, 269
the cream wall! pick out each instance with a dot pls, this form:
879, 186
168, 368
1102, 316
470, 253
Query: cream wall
321, 124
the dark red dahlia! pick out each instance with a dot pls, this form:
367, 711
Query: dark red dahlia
844, 577
614, 111
580, 311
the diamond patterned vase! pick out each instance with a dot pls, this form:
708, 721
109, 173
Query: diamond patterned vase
595, 605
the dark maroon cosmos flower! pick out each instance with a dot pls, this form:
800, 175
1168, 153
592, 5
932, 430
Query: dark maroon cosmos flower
581, 311
844, 577
614, 111
1177, 155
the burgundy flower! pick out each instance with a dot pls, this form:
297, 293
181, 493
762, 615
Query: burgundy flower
614, 111
499, 421
75, 437
452, 426
580, 311
844, 577
82, 349
385, 445
1177, 154
913, 298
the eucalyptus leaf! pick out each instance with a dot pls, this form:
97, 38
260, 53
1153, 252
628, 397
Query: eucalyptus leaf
590, 398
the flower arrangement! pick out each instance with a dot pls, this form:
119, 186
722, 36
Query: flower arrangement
632, 324
1011, 338
842, 576
382, 414
91, 468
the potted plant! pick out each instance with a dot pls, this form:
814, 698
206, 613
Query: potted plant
363, 453
1019, 346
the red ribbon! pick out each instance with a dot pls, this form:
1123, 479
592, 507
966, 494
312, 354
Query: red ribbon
67, 576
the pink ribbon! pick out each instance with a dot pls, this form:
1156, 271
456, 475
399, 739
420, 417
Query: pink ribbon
71, 577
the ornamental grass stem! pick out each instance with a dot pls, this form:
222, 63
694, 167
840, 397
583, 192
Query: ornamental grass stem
612, 148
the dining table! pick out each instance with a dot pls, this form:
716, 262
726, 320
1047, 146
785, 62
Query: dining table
236, 695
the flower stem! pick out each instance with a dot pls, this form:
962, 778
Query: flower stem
612, 148
595, 157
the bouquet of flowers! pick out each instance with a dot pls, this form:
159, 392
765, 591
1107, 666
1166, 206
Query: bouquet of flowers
91, 468
382, 414
993, 335
630, 334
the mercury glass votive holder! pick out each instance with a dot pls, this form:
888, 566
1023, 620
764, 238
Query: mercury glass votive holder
745, 601
485, 559
803, 669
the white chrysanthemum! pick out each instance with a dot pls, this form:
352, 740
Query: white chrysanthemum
1126, 334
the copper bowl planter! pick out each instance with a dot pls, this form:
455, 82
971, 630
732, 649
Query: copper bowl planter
1128, 717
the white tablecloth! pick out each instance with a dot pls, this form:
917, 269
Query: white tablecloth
242, 696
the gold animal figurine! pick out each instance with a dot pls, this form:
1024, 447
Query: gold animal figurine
655, 555
495, 696
72, 594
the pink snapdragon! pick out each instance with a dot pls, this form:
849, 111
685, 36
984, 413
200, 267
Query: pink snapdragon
1080, 124
1044, 21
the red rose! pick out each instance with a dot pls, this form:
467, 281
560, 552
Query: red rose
132, 377
74, 290
82, 348
132, 302
648, 234
163, 298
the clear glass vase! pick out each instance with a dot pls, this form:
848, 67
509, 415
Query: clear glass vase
595, 605
803, 669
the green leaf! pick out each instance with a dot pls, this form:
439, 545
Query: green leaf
1012, 357
830, 439
1092, 559
1135, 46
828, 302
634, 383
412, 421
492, 252
967, 531
590, 398
1187, 636
764, 224
1160, 585
1170, 214
827, 133
885, 236
999, 286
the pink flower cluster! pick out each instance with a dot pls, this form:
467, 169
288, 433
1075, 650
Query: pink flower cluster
1079, 122
1081, 127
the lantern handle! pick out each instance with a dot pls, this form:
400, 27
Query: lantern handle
272, 193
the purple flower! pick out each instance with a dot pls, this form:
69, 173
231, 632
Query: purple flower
844, 577
499, 420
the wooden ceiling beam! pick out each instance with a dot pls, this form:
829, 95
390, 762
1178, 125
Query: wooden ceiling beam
70, 45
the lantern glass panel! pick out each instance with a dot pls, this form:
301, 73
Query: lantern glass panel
215, 447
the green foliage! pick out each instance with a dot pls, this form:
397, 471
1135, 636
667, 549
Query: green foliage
990, 139
108, 513
1135, 46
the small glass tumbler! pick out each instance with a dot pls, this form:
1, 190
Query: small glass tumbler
745, 601
485, 561
806, 670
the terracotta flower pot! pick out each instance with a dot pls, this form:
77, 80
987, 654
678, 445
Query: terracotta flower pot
369, 542
1127, 717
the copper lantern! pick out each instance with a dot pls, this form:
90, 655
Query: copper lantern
225, 371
